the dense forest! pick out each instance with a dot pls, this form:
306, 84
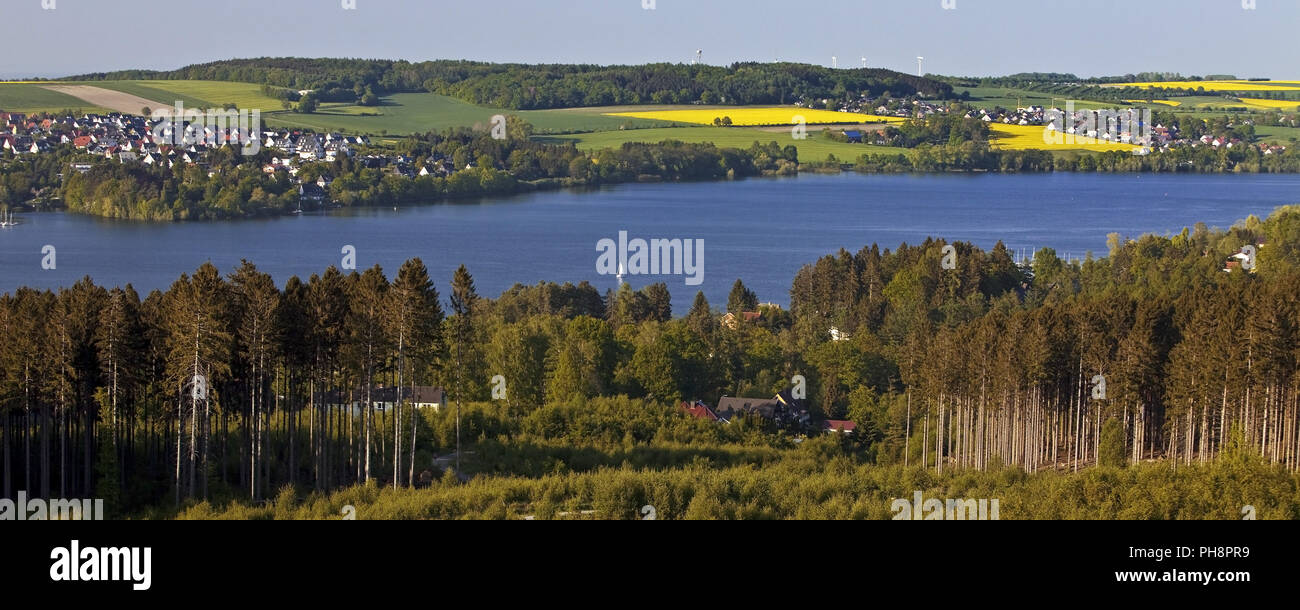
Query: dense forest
962, 368
525, 86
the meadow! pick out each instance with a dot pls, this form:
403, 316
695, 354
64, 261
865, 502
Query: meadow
406, 113
1288, 136
31, 98
206, 94
988, 97
1171, 103
814, 148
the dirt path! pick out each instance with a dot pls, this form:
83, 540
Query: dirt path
107, 98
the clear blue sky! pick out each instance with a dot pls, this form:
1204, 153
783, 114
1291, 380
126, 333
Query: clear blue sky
978, 37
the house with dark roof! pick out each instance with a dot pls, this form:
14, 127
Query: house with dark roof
783, 410
384, 397
310, 191
730, 408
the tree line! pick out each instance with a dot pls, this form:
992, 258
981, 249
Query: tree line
539, 86
230, 185
980, 156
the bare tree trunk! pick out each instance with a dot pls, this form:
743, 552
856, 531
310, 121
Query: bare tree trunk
369, 416
180, 423
925, 438
5, 431
410, 475
907, 438
397, 417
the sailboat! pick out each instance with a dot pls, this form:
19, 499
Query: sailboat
8, 220
620, 274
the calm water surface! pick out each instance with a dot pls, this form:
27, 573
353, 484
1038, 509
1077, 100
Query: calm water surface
760, 230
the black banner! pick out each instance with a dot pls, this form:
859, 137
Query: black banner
301, 561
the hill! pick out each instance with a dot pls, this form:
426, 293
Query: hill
540, 86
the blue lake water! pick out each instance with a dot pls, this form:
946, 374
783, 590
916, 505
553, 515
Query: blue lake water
759, 230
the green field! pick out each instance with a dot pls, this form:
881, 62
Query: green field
31, 98
815, 148
988, 97
164, 97
398, 114
406, 113
1286, 136
214, 93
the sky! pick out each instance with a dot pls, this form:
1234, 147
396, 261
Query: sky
51, 38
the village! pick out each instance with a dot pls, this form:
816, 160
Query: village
1089, 124
127, 138
133, 139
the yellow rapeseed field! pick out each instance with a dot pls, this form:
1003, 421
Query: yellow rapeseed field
1218, 85
758, 116
1030, 137
1256, 103
1249, 102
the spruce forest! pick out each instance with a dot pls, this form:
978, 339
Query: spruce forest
1149, 383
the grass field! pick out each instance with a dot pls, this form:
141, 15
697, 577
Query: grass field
406, 113
31, 98
163, 97
1287, 136
1171, 103
787, 115
988, 97
243, 95
814, 148
34, 97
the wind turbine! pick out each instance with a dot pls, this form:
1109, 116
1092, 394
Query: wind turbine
919, 72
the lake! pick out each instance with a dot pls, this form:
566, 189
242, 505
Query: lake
760, 230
